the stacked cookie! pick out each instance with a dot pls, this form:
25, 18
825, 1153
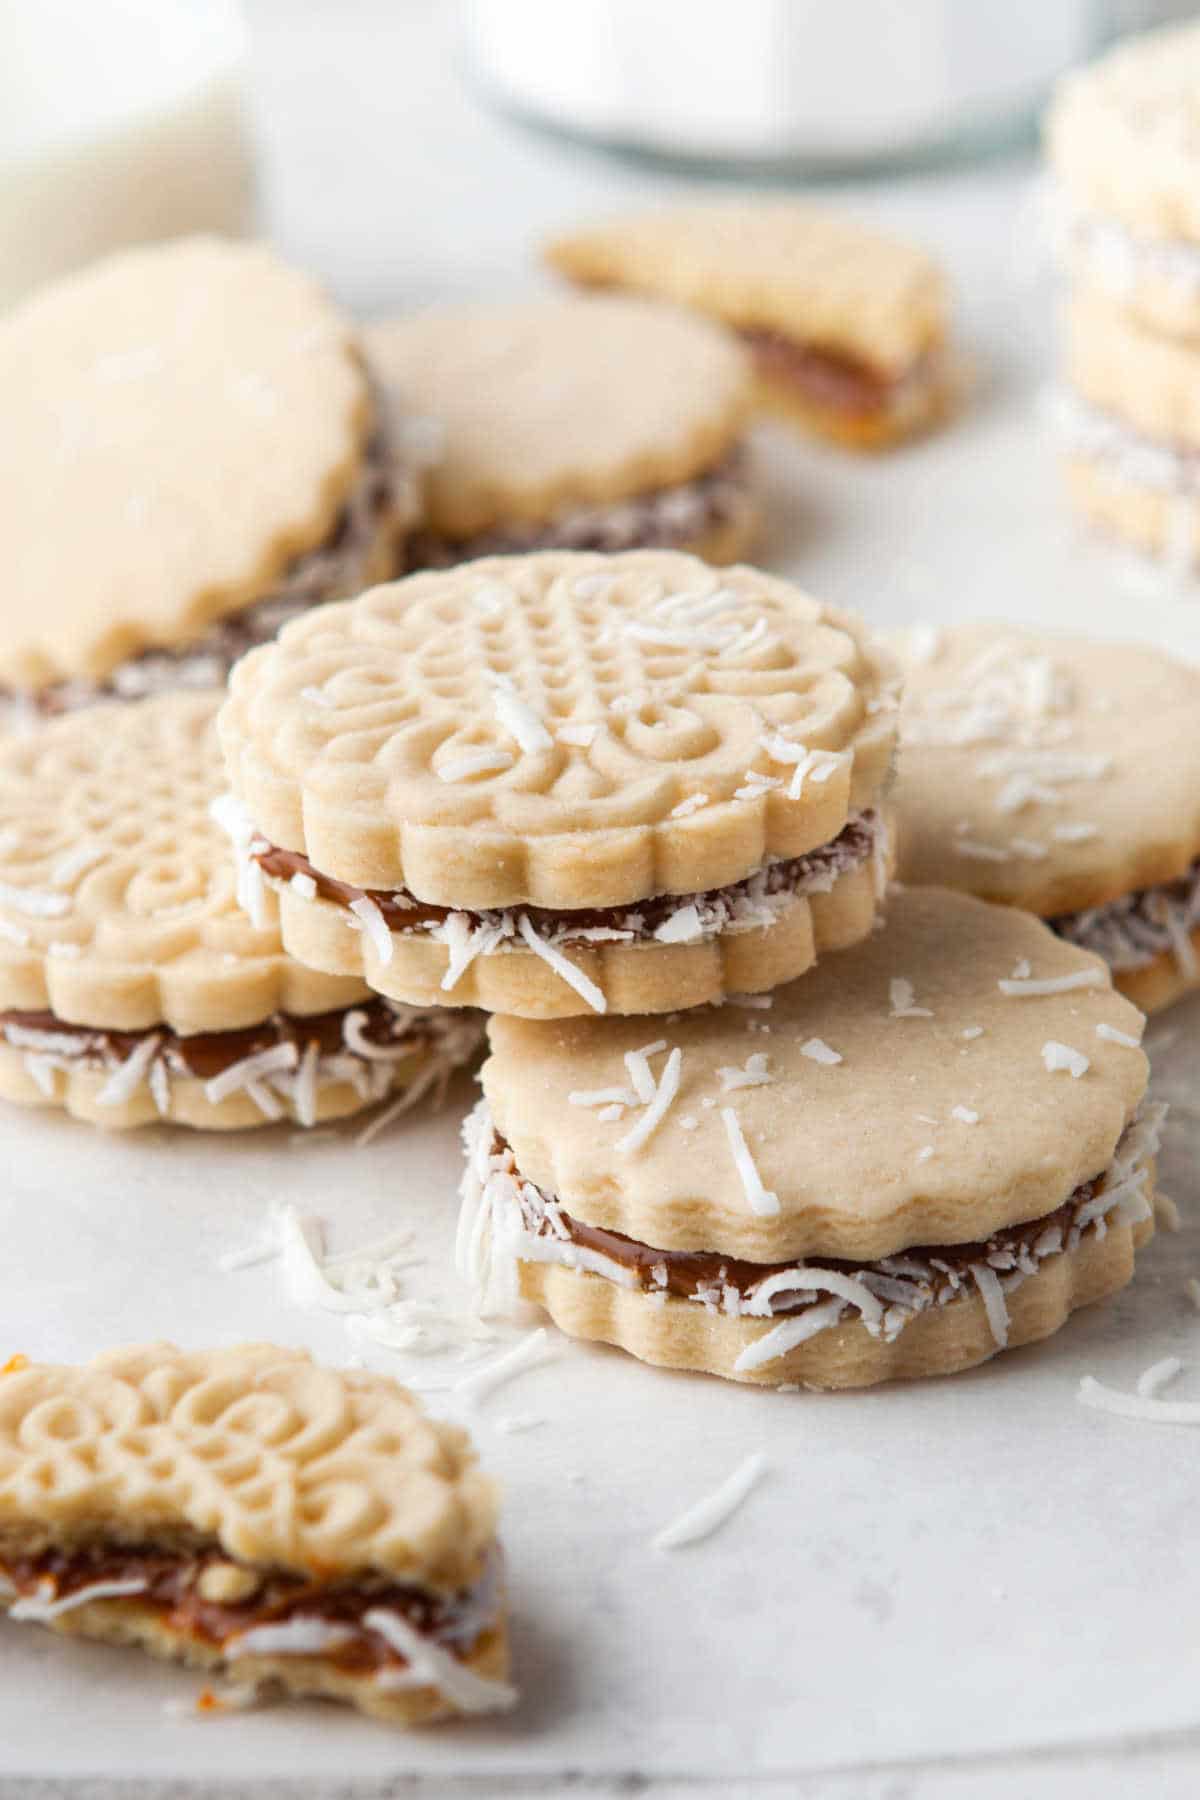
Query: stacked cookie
625, 803
1124, 145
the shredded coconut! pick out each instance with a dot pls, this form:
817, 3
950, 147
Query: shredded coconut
992, 1295
127, 1077
1058, 1057
818, 1051
706, 1516
1111, 1035
755, 1074
533, 1350
965, 1115
1156, 1377
429, 1665
761, 1200
1094, 1394
39, 1610
473, 762
656, 1110
367, 912
562, 965
902, 999
520, 721
1054, 984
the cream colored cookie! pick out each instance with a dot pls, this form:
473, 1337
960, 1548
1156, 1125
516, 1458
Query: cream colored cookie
1150, 384
132, 985
1061, 775
243, 1509
189, 432
1123, 133
1163, 523
566, 414
776, 264
940, 1113
595, 763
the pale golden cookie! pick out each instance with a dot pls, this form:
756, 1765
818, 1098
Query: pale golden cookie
944, 1113
1110, 493
1061, 775
1123, 140
305, 1513
1149, 383
573, 419
779, 264
574, 737
185, 426
846, 324
131, 982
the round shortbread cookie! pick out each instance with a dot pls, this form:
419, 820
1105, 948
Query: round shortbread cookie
773, 263
552, 404
233, 1425
1150, 384
182, 422
1051, 773
1163, 521
564, 731
132, 986
902, 1097
118, 907
1123, 135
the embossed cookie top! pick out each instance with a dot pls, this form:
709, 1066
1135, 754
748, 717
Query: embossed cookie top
903, 1093
117, 896
562, 730
549, 404
773, 264
285, 1463
1124, 133
1054, 773
180, 422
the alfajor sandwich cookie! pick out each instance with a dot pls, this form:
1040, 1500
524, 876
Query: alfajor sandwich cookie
931, 1149
578, 423
1061, 775
297, 1529
848, 327
132, 986
195, 451
566, 783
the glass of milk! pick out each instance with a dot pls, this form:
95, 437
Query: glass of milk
121, 121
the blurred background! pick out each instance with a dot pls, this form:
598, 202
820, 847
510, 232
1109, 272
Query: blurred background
402, 147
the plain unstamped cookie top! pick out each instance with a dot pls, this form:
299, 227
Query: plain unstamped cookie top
554, 403
561, 729
840, 1144
1123, 134
333, 1472
1149, 382
775, 265
179, 423
1053, 773
117, 894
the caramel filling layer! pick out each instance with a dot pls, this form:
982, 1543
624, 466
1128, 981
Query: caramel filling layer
745, 905
206, 1598
834, 380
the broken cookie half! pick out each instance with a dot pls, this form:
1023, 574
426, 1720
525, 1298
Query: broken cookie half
246, 1512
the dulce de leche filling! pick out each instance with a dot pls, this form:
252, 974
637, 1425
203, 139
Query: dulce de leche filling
199, 1595
834, 380
670, 918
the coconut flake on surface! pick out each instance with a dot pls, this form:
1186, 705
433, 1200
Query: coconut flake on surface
692, 804
579, 737
994, 1304
533, 1350
658, 1106
1111, 1035
1025, 986
520, 721
484, 761
430, 1665
755, 1074
610, 1096
683, 926
374, 925
562, 965
1156, 1377
965, 1115
1060, 1057
1078, 832
1099, 1398
39, 1608
970, 1032
980, 852
902, 1000
705, 1516
760, 1199
818, 1051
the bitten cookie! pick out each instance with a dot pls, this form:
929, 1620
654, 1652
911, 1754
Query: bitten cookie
1129, 422
193, 452
927, 1151
243, 1510
847, 327
1123, 140
132, 986
565, 783
1060, 775
599, 423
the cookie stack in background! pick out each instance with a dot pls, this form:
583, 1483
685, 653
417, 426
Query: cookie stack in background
625, 803
1123, 140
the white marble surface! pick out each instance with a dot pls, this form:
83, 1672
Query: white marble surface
969, 1588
